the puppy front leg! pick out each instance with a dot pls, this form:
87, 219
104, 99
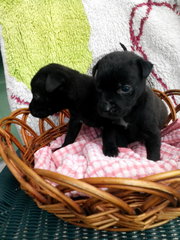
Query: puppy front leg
121, 137
109, 141
74, 127
153, 144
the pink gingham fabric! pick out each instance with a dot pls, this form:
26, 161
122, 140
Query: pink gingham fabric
84, 158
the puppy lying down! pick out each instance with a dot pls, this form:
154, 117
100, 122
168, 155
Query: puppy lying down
116, 100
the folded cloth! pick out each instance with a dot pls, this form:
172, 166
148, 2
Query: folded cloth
84, 158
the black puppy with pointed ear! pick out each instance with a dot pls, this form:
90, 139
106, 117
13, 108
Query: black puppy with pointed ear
124, 98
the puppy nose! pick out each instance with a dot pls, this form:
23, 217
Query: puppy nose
107, 106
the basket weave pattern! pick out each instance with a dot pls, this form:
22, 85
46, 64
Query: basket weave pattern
115, 204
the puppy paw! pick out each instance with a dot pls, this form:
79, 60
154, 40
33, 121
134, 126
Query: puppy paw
110, 151
153, 157
63, 145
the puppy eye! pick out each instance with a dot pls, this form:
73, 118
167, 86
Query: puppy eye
124, 89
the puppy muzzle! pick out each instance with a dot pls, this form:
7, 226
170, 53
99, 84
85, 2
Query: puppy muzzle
109, 110
39, 112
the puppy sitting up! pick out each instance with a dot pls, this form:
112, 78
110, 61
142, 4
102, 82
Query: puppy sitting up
124, 98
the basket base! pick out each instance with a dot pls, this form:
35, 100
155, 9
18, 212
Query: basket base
35, 223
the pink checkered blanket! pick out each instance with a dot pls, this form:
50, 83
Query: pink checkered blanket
84, 158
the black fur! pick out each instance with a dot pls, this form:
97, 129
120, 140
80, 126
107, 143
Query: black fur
123, 97
56, 87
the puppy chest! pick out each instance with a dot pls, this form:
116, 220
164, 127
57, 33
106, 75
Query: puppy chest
132, 130
121, 122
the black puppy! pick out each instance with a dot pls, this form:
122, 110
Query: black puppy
124, 98
56, 87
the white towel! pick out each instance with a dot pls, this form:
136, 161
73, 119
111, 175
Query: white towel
149, 28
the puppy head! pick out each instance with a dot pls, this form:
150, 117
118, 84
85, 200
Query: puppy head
49, 88
120, 81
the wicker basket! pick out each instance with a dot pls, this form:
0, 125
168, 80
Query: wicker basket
115, 204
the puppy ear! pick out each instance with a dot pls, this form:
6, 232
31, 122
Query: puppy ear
95, 70
123, 47
53, 82
146, 67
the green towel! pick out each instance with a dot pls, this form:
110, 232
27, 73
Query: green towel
39, 32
